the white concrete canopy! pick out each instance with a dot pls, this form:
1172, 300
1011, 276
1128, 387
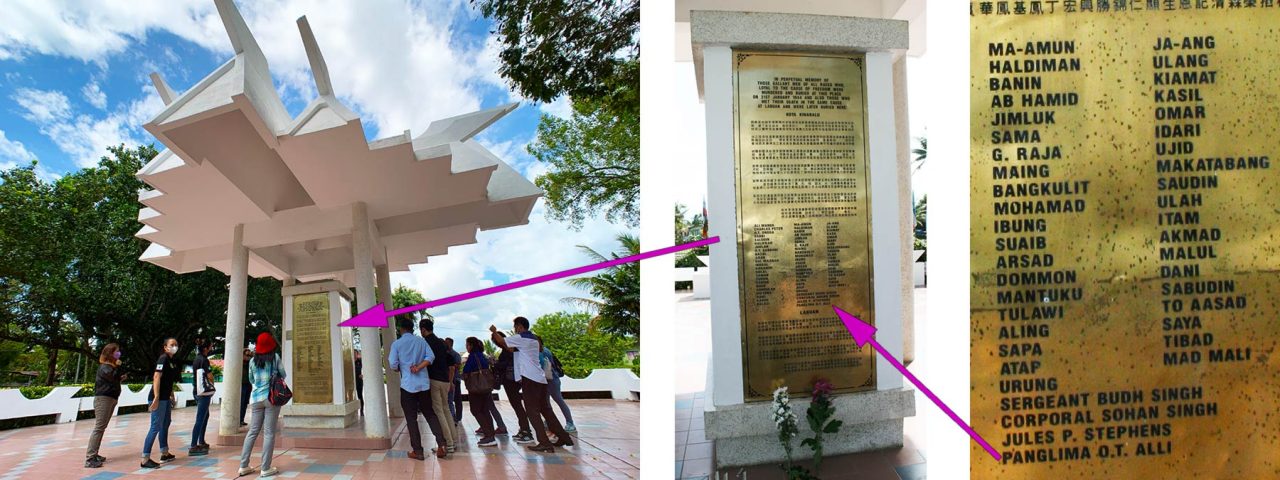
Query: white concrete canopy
236, 157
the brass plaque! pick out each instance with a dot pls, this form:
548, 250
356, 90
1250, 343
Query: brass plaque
1124, 239
348, 366
804, 225
312, 357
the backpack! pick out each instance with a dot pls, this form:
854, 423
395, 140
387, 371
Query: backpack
556, 367
280, 394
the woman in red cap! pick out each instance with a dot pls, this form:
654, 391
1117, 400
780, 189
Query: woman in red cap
265, 363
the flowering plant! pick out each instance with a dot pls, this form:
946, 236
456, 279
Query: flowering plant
820, 413
785, 420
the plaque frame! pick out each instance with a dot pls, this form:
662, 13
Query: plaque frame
750, 394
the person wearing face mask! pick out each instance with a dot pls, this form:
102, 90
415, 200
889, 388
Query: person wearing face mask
203, 389
106, 390
161, 398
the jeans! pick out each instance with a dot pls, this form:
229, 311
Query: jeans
553, 387
497, 416
440, 403
538, 409
455, 401
414, 403
103, 408
202, 420
481, 408
264, 415
160, 420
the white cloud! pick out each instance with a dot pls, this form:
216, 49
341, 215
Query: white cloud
94, 95
12, 152
562, 107
85, 137
539, 248
42, 106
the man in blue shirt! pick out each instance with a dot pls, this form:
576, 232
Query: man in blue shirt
410, 355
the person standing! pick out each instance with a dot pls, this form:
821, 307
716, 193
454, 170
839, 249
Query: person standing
554, 372
441, 374
533, 381
266, 416
506, 372
411, 356
106, 393
161, 404
360, 381
202, 388
481, 399
455, 394
245, 385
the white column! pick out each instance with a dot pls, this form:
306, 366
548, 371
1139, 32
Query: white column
388, 336
726, 324
885, 239
376, 424
233, 353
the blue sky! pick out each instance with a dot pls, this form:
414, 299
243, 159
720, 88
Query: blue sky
74, 79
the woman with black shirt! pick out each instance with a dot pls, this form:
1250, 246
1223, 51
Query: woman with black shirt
161, 397
106, 391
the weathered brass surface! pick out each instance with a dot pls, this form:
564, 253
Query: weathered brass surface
804, 225
348, 366
312, 359
1132, 332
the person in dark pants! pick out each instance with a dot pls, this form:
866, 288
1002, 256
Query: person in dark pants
245, 387
106, 391
360, 381
505, 370
410, 355
533, 381
481, 399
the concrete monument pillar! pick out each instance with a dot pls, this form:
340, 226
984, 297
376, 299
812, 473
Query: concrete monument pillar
800, 113
388, 336
318, 356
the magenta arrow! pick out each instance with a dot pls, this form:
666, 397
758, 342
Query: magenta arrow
378, 314
863, 333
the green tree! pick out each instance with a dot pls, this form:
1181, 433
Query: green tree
594, 164
579, 347
404, 296
921, 153
584, 49
615, 291
689, 229
71, 278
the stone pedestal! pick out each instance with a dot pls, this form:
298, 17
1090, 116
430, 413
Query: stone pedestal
737, 419
318, 356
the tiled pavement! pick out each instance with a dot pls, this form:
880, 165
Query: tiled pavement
694, 451
608, 442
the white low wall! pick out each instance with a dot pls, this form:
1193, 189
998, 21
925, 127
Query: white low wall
60, 402
620, 382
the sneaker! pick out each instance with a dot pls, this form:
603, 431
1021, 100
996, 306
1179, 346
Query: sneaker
524, 438
488, 442
270, 472
453, 448
479, 431
570, 428
93, 462
205, 446
149, 463
501, 431
246, 471
167, 457
101, 458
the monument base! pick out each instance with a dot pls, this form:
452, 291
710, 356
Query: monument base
321, 416
745, 434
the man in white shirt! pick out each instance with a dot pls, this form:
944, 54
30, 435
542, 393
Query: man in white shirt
533, 382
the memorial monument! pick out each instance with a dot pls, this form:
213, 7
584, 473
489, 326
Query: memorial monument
1124, 233
248, 189
807, 185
